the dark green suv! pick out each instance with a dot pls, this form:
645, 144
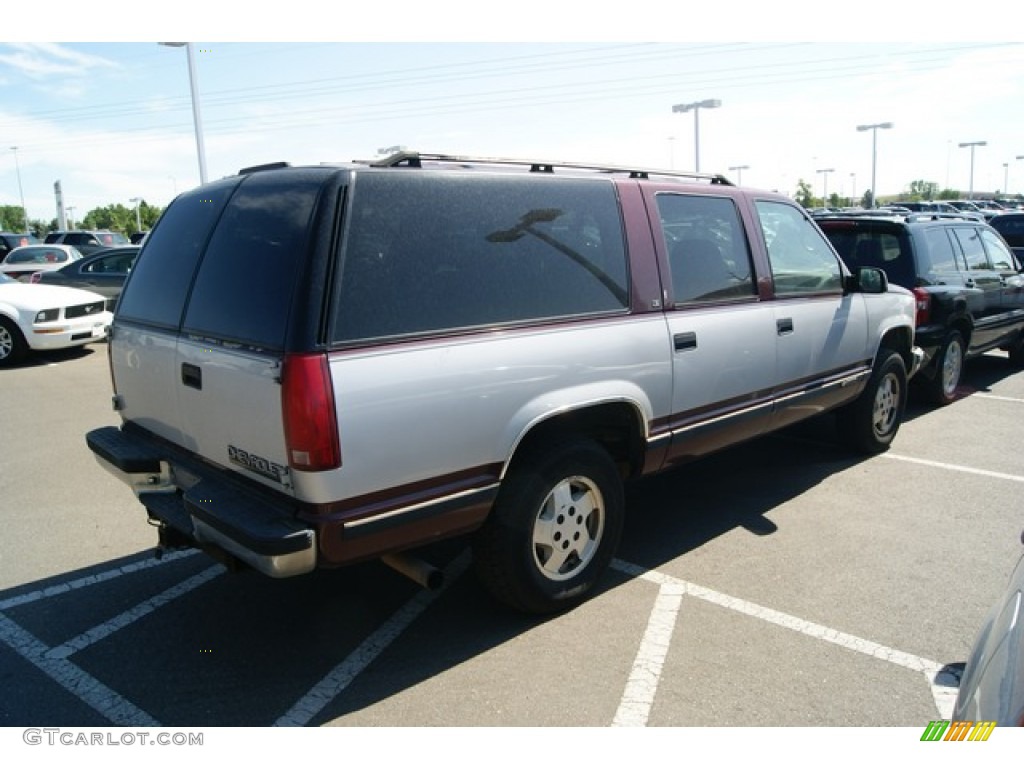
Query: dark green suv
967, 283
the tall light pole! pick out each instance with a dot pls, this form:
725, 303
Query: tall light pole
1006, 177
853, 188
138, 217
196, 114
17, 168
972, 145
739, 173
824, 194
874, 156
696, 107
71, 216
1019, 157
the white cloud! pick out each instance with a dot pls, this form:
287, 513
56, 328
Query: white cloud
43, 60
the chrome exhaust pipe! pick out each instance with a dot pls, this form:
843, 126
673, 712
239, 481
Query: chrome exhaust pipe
423, 573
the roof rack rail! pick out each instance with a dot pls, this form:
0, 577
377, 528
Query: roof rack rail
415, 160
264, 167
936, 215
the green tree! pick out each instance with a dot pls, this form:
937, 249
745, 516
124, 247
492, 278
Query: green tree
12, 218
948, 194
120, 218
923, 190
804, 194
865, 200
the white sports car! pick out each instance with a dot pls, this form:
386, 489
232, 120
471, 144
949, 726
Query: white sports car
34, 317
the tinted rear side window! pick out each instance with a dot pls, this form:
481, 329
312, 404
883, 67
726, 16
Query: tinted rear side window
973, 250
430, 252
159, 282
708, 254
244, 288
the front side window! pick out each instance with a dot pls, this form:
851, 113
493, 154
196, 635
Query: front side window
425, 253
708, 255
109, 265
801, 259
998, 253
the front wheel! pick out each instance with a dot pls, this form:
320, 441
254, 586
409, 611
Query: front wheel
554, 528
870, 422
12, 344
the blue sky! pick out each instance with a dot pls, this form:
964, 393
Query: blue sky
112, 120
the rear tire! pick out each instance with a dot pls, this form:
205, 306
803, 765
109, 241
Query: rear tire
12, 343
870, 423
1016, 351
941, 388
554, 528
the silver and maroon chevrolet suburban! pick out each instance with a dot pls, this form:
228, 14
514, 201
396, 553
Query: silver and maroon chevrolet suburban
316, 366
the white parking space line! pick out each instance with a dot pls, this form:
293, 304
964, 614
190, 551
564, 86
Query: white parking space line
637, 699
133, 614
955, 467
930, 669
99, 578
76, 681
998, 397
338, 679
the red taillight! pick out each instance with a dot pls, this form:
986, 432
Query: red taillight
923, 305
307, 405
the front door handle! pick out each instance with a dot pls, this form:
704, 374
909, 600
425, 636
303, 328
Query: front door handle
191, 375
784, 326
684, 341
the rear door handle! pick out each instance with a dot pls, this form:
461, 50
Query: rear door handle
191, 375
784, 326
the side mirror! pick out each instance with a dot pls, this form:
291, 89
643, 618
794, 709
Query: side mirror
868, 280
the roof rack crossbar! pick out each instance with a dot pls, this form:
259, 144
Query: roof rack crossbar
415, 160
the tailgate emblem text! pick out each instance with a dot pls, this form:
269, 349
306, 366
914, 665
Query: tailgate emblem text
257, 464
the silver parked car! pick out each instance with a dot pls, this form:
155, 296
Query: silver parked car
992, 688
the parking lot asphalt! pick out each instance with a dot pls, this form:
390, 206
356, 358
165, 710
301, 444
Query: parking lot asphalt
783, 582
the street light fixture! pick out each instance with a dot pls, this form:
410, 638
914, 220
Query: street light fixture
874, 156
17, 168
739, 173
697, 106
972, 145
824, 194
138, 218
196, 114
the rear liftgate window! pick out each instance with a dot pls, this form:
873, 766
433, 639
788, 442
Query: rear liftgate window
426, 253
156, 290
244, 289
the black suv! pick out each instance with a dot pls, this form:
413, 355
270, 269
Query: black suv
1011, 226
968, 285
11, 240
88, 241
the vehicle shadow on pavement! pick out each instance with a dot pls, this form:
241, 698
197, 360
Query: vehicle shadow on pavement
979, 376
683, 509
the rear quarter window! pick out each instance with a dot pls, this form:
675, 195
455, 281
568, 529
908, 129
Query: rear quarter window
430, 252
